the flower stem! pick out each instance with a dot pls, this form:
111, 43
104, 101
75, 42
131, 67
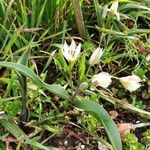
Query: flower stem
23, 88
140, 125
123, 104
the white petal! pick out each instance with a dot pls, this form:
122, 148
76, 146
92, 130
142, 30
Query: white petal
65, 51
136, 78
77, 52
72, 47
131, 83
102, 79
96, 56
134, 86
133, 78
67, 55
114, 7
65, 47
118, 16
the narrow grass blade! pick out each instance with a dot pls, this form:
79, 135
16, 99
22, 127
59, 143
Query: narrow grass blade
36, 144
138, 31
113, 32
9, 99
23, 59
130, 6
12, 127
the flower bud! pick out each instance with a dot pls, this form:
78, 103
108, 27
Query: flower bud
96, 56
83, 86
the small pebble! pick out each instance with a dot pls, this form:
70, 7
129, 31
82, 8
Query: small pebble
66, 143
138, 121
102, 146
82, 146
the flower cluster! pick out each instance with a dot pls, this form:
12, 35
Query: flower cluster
73, 52
103, 79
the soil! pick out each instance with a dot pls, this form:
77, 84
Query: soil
73, 138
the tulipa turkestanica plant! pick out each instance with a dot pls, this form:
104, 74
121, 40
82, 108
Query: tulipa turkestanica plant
74, 71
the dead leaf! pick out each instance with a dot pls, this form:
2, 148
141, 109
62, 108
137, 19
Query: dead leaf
113, 114
124, 128
141, 48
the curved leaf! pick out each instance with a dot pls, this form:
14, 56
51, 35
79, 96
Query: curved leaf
89, 106
53, 88
101, 114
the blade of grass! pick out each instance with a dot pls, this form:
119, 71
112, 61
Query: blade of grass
37, 144
13, 128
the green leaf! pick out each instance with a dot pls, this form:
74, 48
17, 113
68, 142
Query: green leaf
53, 88
23, 59
131, 6
9, 99
101, 114
109, 31
82, 67
138, 31
12, 127
36, 144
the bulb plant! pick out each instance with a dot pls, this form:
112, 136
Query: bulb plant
112, 64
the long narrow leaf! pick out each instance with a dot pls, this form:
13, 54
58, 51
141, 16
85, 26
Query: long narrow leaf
36, 144
24, 58
101, 114
53, 88
12, 127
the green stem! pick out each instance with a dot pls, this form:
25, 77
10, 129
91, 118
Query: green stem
70, 76
23, 87
140, 125
123, 104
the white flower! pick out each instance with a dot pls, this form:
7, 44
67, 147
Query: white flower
113, 10
105, 11
72, 52
131, 83
102, 79
96, 56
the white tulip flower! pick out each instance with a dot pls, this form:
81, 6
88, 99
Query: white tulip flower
131, 83
72, 52
96, 56
113, 10
102, 79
